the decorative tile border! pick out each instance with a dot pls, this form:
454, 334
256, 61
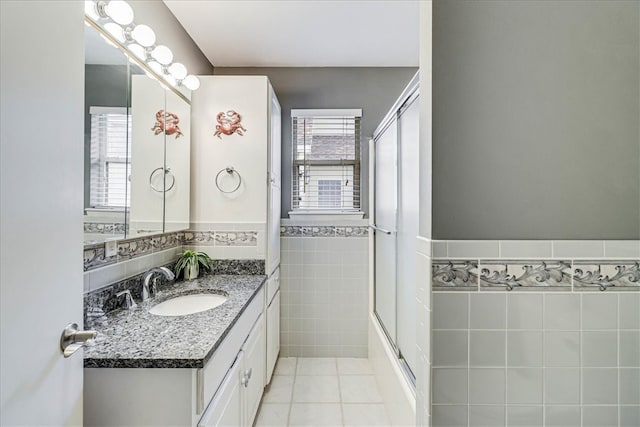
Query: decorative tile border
101, 301
324, 231
606, 275
105, 227
236, 238
454, 275
139, 246
517, 274
94, 257
535, 275
221, 238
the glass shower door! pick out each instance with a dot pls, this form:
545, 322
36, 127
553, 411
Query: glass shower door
396, 206
407, 231
385, 217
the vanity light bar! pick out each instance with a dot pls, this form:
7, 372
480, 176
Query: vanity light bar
116, 17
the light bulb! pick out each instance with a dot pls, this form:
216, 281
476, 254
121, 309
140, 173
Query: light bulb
138, 51
120, 12
115, 30
90, 10
162, 54
155, 66
144, 35
178, 70
191, 82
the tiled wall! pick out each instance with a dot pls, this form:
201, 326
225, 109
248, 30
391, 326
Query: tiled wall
137, 255
423, 318
324, 285
536, 333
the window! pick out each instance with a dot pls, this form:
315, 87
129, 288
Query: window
326, 160
110, 153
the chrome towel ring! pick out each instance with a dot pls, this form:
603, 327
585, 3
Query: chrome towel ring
231, 171
167, 171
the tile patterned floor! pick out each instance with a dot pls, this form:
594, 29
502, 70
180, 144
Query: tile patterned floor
322, 392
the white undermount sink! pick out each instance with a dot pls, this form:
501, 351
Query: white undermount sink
187, 304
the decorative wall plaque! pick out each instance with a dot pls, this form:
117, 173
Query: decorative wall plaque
168, 123
229, 123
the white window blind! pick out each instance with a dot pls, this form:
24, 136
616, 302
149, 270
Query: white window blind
110, 154
326, 160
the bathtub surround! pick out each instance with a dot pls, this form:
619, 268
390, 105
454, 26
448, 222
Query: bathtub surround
324, 271
520, 336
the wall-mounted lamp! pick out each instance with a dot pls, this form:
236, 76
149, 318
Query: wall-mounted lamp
116, 17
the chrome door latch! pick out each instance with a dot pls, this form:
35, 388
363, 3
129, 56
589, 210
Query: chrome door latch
72, 339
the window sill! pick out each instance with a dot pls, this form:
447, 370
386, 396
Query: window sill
313, 217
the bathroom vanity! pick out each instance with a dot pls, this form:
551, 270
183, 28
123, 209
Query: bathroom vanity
202, 369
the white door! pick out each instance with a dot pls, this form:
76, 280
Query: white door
42, 81
386, 199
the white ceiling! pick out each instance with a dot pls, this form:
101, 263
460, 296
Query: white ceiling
302, 33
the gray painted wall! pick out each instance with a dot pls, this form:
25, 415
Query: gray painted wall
536, 120
372, 89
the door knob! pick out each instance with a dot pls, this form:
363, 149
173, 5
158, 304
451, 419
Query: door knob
72, 339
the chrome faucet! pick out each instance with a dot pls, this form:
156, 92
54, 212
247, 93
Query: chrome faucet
147, 279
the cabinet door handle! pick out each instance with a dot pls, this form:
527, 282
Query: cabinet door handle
248, 373
245, 381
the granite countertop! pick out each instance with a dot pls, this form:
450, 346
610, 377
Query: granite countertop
138, 339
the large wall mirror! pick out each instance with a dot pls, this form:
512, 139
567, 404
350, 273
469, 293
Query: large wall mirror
137, 147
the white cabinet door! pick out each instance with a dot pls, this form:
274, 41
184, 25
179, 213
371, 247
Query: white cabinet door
253, 370
273, 334
273, 240
273, 208
225, 409
275, 135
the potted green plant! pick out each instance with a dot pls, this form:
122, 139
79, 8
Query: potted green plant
190, 262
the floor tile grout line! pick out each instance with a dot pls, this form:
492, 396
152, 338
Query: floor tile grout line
339, 392
295, 370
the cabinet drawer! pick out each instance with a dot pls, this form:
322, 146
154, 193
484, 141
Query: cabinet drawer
210, 377
273, 284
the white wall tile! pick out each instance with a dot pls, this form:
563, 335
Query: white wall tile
578, 248
622, 248
423, 245
87, 281
473, 248
526, 249
439, 248
324, 296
